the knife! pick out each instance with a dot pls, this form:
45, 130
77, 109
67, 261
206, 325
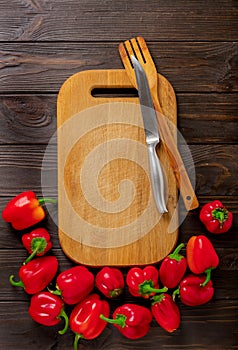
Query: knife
151, 134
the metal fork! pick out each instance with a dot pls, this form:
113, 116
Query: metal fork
137, 47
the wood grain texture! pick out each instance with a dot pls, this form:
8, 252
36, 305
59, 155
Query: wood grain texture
220, 323
215, 167
190, 67
194, 45
93, 20
114, 231
31, 119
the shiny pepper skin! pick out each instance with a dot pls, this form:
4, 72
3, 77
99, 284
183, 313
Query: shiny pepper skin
216, 218
85, 319
37, 243
166, 312
192, 292
173, 268
74, 284
201, 256
132, 320
36, 274
143, 282
110, 282
48, 310
25, 210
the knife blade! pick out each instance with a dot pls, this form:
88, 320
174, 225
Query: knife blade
151, 134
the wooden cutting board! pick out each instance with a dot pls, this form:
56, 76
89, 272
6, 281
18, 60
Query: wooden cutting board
106, 212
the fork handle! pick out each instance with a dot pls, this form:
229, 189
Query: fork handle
183, 182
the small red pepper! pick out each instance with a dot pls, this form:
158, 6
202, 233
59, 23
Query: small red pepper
37, 274
48, 309
201, 256
110, 282
192, 292
132, 320
173, 268
37, 242
216, 217
25, 210
74, 284
166, 312
144, 282
85, 319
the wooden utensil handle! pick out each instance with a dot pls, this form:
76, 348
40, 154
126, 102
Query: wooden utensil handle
183, 181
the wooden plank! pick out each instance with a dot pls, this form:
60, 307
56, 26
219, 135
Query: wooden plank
21, 167
207, 118
94, 20
17, 330
10, 239
190, 67
11, 261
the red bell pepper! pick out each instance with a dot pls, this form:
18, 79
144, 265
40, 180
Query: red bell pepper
25, 210
85, 319
37, 274
132, 320
144, 282
48, 309
173, 268
166, 312
201, 256
74, 284
216, 217
37, 242
110, 282
192, 292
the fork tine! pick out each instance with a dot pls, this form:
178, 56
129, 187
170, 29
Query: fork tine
129, 48
137, 50
126, 60
144, 49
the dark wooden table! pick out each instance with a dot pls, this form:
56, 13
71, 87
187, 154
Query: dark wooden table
194, 45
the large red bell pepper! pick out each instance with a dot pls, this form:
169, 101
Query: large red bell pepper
74, 284
192, 292
48, 309
85, 319
166, 312
36, 274
110, 282
37, 243
132, 320
143, 282
173, 268
201, 256
216, 218
25, 210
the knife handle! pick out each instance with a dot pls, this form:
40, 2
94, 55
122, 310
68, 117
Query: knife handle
183, 182
157, 178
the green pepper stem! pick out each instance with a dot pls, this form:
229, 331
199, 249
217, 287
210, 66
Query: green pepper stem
220, 214
146, 288
55, 292
175, 292
76, 340
120, 320
208, 277
38, 247
47, 200
66, 319
175, 255
14, 283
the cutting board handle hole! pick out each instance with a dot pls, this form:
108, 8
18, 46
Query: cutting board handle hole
114, 92
188, 198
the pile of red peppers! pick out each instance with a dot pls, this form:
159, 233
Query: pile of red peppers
188, 277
